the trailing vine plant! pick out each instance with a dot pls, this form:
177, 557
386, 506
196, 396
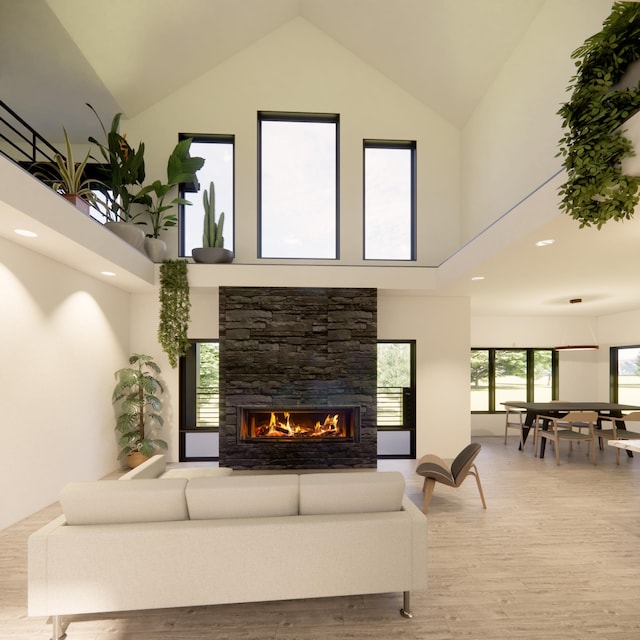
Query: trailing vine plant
594, 144
175, 306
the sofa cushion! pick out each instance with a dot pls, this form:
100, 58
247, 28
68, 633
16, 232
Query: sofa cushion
242, 496
114, 502
357, 492
197, 472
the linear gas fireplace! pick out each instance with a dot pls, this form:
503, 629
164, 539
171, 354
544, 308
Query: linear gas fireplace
299, 424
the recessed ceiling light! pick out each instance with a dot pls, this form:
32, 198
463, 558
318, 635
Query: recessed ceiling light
544, 243
108, 273
26, 233
475, 278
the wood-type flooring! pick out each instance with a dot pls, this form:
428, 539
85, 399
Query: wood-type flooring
555, 556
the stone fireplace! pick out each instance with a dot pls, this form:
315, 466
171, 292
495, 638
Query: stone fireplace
298, 378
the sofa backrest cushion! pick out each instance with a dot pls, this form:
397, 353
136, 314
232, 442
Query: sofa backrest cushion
197, 472
114, 502
154, 467
356, 492
239, 496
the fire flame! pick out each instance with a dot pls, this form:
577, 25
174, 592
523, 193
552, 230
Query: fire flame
286, 427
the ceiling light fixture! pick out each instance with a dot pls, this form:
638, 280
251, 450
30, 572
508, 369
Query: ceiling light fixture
578, 347
25, 233
544, 243
108, 273
477, 278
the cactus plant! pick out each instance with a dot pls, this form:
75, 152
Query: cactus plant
212, 235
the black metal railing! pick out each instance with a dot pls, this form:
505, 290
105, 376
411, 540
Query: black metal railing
20, 142
207, 407
395, 407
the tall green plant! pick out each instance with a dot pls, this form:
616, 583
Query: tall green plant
136, 397
212, 234
122, 172
594, 145
181, 167
175, 306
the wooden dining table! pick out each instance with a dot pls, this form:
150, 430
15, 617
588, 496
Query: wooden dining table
559, 409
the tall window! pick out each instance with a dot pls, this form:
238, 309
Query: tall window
625, 375
200, 401
219, 168
298, 185
500, 375
396, 398
389, 200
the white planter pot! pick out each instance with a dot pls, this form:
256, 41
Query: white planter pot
156, 249
212, 255
130, 233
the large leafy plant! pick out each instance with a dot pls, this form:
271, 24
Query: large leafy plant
136, 399
122, 172
181, 167
594, 145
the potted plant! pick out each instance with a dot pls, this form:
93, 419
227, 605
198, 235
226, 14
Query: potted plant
181, 167
212, 250
67, 177
136, 400
122, 174
175, 306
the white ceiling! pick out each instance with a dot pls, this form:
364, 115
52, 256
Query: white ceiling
446, 53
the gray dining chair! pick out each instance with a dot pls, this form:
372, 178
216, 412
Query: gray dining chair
619, 429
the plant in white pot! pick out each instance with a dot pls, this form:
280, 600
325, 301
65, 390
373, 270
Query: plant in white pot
181, 168
138, 407
212, 250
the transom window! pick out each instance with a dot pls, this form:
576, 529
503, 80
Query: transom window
298, 185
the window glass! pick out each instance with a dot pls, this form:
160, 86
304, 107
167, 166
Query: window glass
208, 386
389, 198
511, 375
218, 167
627, 375
298, 186
479, 380
542, 376
394, 379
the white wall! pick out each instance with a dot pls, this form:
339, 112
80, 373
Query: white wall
298, 68
510, 142
62, 336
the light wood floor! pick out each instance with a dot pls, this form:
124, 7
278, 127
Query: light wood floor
555, 556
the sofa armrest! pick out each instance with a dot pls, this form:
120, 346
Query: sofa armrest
154, 467
418, 543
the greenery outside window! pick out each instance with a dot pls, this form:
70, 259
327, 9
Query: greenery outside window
298, 185
500, 375
389, 200
218, 152
625, 374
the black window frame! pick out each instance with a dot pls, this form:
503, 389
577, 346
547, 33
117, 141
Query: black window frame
187, 190
187, 399
412, 146
408, 403
530, 378
295, 116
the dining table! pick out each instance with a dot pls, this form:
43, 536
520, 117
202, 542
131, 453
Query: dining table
559, 408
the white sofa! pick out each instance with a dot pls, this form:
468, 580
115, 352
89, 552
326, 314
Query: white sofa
179, 538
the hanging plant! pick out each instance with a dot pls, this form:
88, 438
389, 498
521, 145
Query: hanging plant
594, 144
175, 308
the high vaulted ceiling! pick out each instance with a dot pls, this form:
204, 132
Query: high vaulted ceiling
124, 55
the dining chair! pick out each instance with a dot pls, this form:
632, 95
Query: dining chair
618, 430
514, 419
434, 469
569, 427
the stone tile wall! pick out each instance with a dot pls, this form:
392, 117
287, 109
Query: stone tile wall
298, 347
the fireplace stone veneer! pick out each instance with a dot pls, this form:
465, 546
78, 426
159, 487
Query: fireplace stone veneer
289, 348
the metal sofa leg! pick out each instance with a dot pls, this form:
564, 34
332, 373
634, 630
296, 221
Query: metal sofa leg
406, 605
56, 623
